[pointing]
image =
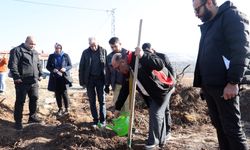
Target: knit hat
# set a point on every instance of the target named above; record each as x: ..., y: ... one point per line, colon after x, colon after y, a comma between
x: 146, y: 46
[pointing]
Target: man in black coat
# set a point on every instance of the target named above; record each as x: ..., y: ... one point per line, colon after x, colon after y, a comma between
x: 149, y: 85
x: 221, y: 64
x: 26, y: 70
x: 92, y: 72
x: 147, y: 48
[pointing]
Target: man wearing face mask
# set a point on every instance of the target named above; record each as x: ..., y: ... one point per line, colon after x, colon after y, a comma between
x: 26, y: 71
x: 221, y: 65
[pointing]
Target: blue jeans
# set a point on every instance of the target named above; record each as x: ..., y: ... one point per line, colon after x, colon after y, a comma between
x: 2, y: 81
x: 97, y: 85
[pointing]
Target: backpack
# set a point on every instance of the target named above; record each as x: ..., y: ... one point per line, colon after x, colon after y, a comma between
x: 164, y: 76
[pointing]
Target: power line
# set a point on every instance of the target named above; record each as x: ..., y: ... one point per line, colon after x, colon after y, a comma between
x: 112, y: 11
x: 59, y: 5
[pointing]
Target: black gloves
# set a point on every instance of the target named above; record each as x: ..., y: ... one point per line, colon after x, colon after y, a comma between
x: 106, y: 89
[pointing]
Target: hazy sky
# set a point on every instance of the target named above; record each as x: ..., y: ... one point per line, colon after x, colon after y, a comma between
x: 170, y: 26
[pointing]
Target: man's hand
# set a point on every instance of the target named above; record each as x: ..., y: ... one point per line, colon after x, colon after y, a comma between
x: 139, y: 52
x: 40, y: 78
x: 106, y: 89
x: 63, y: 70
x: 230, y: 91
x: 18, y: 81
x: 55, y: 70
x: 116, y: 113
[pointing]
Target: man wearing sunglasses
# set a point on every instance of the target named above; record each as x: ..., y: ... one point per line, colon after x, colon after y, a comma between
x: 221, y: 64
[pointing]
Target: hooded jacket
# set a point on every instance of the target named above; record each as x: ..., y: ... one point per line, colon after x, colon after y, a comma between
x: 226, y: 35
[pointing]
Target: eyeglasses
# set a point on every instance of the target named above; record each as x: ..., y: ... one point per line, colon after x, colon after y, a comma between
x: 197, y: 9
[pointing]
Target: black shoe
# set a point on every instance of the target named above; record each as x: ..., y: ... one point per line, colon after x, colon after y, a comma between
x: 18, y: 126
x: 60, y: 112
x: 66, y: 112
x: 34, y: 119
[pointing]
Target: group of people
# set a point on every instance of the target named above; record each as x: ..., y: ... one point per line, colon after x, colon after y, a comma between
x: 26, y: 71
x: 224, y: 38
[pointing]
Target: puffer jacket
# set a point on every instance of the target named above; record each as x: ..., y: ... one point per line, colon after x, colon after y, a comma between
x: 225, y: 35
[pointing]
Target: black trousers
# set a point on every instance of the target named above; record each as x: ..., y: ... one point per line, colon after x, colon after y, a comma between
x: 225, y: 116
x: 21, y: 91
x: 61, y: 93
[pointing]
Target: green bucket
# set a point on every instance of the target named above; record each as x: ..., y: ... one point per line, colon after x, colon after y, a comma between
x: 120, y: 125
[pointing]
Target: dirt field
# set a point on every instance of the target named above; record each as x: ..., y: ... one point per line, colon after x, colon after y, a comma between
x: 191, y: 129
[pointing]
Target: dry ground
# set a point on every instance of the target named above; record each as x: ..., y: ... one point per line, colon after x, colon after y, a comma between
x: 191, y: 129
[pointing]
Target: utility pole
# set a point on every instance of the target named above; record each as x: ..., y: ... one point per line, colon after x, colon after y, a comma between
x: 112, y: 12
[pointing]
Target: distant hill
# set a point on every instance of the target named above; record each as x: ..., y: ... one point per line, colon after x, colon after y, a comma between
x: 180, y: 61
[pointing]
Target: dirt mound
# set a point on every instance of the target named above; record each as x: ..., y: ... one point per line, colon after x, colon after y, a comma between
x: 73, y: 131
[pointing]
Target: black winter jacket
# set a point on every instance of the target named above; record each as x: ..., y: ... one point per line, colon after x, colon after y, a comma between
x: 153, y: 87
x: 85, y: 65
x: 51, y: 65
x: 24, y: 64
x: 225, y: 35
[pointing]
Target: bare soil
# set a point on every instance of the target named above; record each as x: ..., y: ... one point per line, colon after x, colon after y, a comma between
x: 191, y: 128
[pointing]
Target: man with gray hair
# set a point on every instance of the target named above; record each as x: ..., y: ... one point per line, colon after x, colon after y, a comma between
x: 92, y: 70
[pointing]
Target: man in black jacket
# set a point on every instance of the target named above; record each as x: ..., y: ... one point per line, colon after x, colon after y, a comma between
x: 147, y: 48
x: 115, y: 78
x: 149, y: 85
x: 92, y: 76
x: 221, y: 64
x: 26, y: 70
